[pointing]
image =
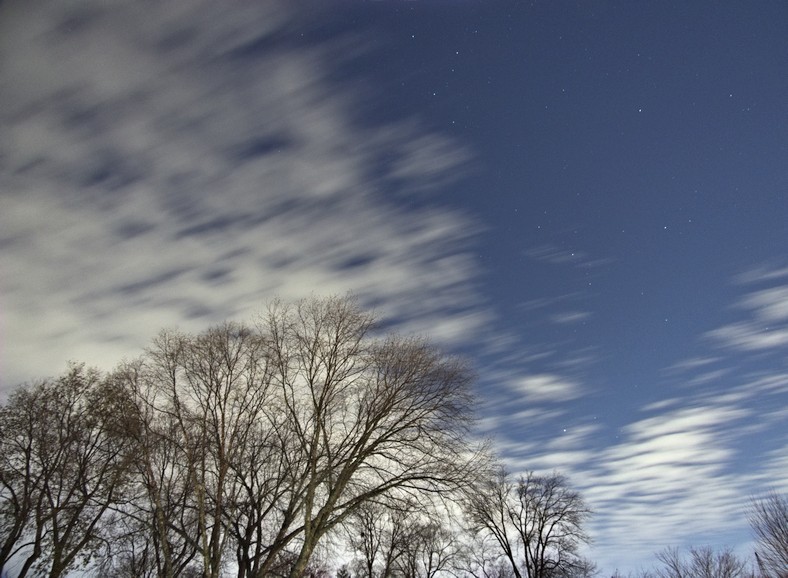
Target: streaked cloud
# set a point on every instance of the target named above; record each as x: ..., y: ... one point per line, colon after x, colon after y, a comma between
x: 765, y: 326
x: 690, y: 364
x: 567, y: 317
x: 762, y: 273
x: 559, y: 256
x: 770, y: 305
x: 750, y: 336
x: 681, y: 468
x: 175, y: 165
x: 546, y: 388
x: 672, y: 469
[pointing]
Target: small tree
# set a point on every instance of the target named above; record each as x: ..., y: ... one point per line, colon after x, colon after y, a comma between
x: 431, y: 549
x: 702, y: 562
x: 377, y: 533
x: 481, y: 557
x: 63, y: 465
x: 769, y: 521
x: 401, y: 538
x: 537, y: 521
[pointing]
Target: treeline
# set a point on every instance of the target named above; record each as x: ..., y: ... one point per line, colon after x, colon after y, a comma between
x: 301, y: 445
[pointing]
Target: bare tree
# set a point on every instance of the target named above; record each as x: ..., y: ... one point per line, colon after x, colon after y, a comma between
x: 266, y: 438
x: 377, y: 533
x: 702, y: 562
x: 537, y: 521
x: 431, y: 548
x: 769, y: 521
x: 200, y: 403
x: 63, y: 464
x: 481, y: 557
x: 404, y: 539
x: 368, y: 418
x: 152, y: 534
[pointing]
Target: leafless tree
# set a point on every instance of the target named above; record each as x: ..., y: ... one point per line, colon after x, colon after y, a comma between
x: 200, y: 403
x: 584, y: 568
x: 154, y: 526
x: 537, y: 521
x: 377, y: 534
x: 639, y: 574
x: 702, y: 562
x: 265, y: 439
x: 63, y: 464
x: 769, y: 521
x: 368, y: 418
x: 481, y: 557
x: 432, y: 548
x: 403, y: 539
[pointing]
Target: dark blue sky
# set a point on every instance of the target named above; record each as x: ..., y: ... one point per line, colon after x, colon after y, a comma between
x: 587, y: 198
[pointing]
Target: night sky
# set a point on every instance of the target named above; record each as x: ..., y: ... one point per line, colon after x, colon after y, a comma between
x: 588, y: 199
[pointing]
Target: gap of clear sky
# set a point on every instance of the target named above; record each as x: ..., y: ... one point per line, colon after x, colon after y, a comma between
x: 589, y: 199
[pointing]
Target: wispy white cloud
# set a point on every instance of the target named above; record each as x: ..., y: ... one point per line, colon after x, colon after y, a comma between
x: 568, y: 317
x: 688, y: 464
x: 558, y: 256
x: 680, y: 468
x: 762, y: 273
x: 176, y: 165
x: 773, y: 477
x: 765, y: 326
x: 691, y: 364
x: 750, y: 336
x: 546, y: 388
x: 770, y: 305
x: 668, y: 481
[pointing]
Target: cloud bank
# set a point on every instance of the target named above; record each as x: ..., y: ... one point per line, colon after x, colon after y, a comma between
x: 179, y: 163
x: 676, y: 466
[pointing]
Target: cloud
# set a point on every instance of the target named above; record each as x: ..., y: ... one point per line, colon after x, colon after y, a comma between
x: 765, y: 326
x: 554, y: 255
x: 776, y: 461
x: 546, y: 388
x: 762, y: 273
x: 558, y: 256
x: 177, y: 164
x: 680, y: 469
x: 691, y: 364
x: 770, y: 305
x: 674, y: 469
x: 671, y: 469
x: 568, y: 317
x: 666, y: 457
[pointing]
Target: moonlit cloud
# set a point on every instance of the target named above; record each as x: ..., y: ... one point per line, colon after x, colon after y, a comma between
x: 770, y: 305
x: 750, y: 336
x: 762, y: 273
x: 674, y: 458
x: 765, y: 326
x: 558, y: 256
x: 681, y: 468
x: 689, y: 364
x: 776, y: 461
x: 671, y: 469
x: 140, y: 191
x: 542, y: 388
x: 566, y: 317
